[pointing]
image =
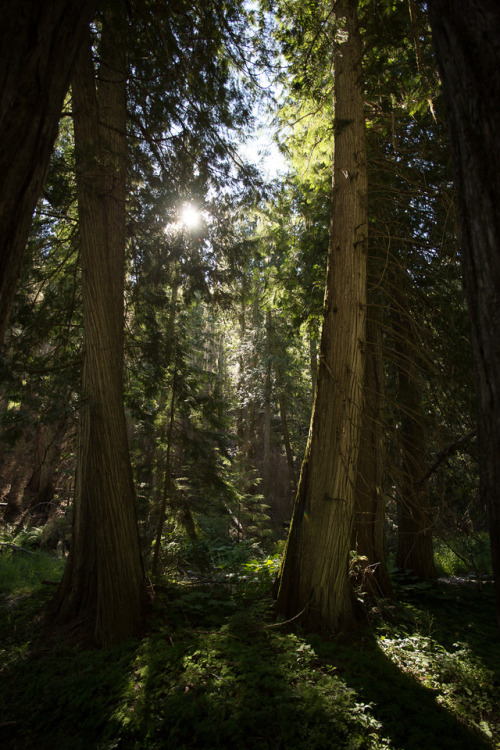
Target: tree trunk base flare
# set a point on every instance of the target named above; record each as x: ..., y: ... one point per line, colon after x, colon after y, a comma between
x: 81, y: 613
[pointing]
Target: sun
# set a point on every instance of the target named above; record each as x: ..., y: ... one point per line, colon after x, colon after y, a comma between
x: 190, y: 216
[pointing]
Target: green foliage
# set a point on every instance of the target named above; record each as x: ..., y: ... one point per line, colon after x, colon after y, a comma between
x: 460, y: 679
x: 22, y: 568
x: 445, y: 638
x: 216, y: 671
x: 463, y: 554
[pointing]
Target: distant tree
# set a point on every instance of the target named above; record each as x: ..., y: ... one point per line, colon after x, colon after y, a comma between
x: 415, y: 517
x: 38, y: 45
x: 368, y: 539
x: 467, y: 43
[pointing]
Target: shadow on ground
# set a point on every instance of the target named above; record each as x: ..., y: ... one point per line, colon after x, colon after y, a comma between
x: 215, y: 673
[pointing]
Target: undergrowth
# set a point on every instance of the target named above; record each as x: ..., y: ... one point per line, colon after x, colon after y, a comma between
x: 462, y: 555
x: 216, y: 670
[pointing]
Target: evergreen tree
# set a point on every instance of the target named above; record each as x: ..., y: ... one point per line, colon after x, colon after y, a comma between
x: 313, y: 581
x: 103, y: 591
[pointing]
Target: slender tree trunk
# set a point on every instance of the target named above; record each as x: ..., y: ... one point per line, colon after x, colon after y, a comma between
x: 467, y: 41
x: 313, y: 581
x: 415, y: 516
x: 368, y: 533
x: 242, y: 426
x: 38, y: 44
x: 167, y: 481
x: 313, y: 354
x: 266, y: 463
x: 41, y: 487
x: 103, y: 592
x: 284, y: 428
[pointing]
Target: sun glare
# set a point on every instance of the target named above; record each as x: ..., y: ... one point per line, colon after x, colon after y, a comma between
x: 190, y: 216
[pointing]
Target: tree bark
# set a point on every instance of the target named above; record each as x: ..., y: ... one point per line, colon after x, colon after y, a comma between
x: 103, y: 590
x: 415, y: 517
x: 38, y: 44
x: 266, y: 448
x: 285, y: 431
x: 168, y: 488
x: 41, y: 489
x: 369, y: 513
x: 313, y: 581
x: 467, y: 42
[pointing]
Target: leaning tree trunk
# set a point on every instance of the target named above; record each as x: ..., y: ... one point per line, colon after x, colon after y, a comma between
x: 467, y: 41
x: 313, y: 581
x: 103, y: 590
x: 38, y: 44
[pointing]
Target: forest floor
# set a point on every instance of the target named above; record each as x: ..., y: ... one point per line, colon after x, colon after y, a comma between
x: 217, y: 670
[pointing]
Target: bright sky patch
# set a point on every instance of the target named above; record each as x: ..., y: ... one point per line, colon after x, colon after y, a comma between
x: 190, y: 216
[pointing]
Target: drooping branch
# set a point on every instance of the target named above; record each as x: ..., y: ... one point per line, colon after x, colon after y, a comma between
x: 446, y: 452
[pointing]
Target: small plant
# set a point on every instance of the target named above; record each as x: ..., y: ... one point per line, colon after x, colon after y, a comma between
x: 216, y: 670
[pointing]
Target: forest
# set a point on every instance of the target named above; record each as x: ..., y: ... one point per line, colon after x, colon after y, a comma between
x: 250, y: 374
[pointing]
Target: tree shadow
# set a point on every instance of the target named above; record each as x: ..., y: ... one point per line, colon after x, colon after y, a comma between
x: 234, y: 685
x: 214, y: 673
x: 54, y: 695
x: 464, y: 612
x: 410, y: 715
x: 245, y: 684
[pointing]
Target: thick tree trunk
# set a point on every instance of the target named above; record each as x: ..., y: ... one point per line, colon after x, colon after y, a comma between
x: 103, y: 590
x: 38, y: 43
x: 313, y: 581
x: 467, y: 41
x: 369, y: 516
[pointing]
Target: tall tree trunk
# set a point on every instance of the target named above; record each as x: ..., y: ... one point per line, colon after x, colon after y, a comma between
x: 415, y: 517
x: 313, y: 355
x: 369, y: 517
x: 284, y: 428
x: 467, y: 42
x: 266, y: 462
x: 38, y: 44
x: 167, y: 481
x: 103, y: 590
x: 313, y: 581
x: 242, y: 416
